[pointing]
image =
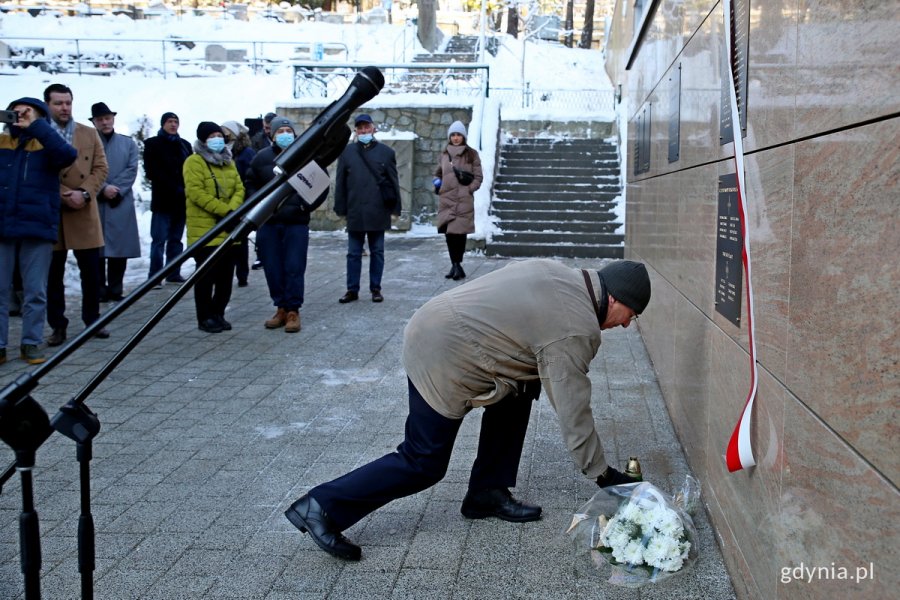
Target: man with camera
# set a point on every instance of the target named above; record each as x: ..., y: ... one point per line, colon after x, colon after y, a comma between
x: 31, y: 157
x: 121, y: 240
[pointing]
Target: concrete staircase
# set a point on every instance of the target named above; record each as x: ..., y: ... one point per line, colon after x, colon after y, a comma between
x: 555, y: 198
x: 459, y: 49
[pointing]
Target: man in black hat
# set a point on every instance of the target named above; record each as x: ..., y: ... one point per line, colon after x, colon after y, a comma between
x: 164, y: 157
x: 491, y: 343
x: 121, y: 240
x: 366, y: 193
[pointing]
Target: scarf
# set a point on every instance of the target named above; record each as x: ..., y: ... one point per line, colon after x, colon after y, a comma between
x: 67, y: 132
x: 219, y: 159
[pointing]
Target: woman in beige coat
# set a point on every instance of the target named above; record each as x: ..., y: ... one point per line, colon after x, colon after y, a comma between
x: 457, y: 177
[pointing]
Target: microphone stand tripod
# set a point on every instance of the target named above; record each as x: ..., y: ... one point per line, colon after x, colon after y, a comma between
x: 24, y: 424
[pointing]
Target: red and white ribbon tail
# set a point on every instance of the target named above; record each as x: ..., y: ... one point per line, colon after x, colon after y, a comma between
x: 739, y: 454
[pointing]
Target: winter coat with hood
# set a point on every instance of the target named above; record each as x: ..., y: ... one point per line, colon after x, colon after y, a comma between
x: 30, y: 162
x: 80, y: 229
x: 456, y: 204
x: 356, y: 193
x: 213, y: 189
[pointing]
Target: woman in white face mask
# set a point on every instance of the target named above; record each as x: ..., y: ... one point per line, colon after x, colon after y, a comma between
x: 213, y: 189
x: 282, y: 242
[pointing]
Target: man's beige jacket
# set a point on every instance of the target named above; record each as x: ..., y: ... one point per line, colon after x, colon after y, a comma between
x: 469, y: 346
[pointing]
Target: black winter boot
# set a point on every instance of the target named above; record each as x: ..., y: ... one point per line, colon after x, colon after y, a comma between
x: 459, y: 274
x: 451, y: 273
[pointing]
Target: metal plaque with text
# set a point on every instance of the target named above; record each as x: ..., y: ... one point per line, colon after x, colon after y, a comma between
x: 740, y: 37
x: 729, y: 243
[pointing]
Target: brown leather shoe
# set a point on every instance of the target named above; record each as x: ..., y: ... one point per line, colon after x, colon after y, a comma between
x: 277, y: 320
x: 293, y: 322
x: 377, y: 297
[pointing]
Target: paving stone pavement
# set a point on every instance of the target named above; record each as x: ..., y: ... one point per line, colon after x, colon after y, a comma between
x: 206, y: 439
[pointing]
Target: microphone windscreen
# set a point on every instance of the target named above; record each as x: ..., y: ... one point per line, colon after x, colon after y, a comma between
x: 369, y: 77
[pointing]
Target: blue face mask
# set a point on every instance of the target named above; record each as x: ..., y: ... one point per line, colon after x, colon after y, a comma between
x: 216, y: 144
x: 366, y: 138
x: 284, y: 140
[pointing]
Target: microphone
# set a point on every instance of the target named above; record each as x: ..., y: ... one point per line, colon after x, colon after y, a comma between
x: 365, y: 86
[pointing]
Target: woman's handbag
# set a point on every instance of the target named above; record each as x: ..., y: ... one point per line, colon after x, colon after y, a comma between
x: 463, y: 177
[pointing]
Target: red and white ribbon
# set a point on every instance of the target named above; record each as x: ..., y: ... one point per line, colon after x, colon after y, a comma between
x: 739, y: 454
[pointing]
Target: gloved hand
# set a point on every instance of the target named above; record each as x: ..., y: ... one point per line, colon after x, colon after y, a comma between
x: 437, y: 185
x: 614, y: 477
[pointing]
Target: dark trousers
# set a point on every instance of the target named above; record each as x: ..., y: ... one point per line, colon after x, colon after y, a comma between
x: 421, y: 460
x: 112, y: 274
x: 89, y: 267
x: 242, y: 266
x: 456, y: 246
x: 212, y: 292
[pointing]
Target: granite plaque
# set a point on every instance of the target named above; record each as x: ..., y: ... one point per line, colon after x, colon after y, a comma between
x: 740, y: 40
x: 729, y: 245
x: 675, y: 114
x: 642, y: 141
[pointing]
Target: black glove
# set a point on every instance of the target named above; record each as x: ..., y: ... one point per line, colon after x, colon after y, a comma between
x: 614, y: 477
x: 115, y: 200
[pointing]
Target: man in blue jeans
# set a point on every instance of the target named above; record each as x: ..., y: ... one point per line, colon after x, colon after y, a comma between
x: 31, y: 157
x: 365, y: 171
x: 164, y: 156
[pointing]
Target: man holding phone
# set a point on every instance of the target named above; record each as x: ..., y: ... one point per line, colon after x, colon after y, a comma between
x: 31, y: 157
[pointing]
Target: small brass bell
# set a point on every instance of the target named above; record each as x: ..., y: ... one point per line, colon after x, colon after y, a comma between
x: 634, y: 468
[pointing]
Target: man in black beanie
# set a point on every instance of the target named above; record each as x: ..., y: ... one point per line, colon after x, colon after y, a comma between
x: 491, y: 343
x: 164, y: 156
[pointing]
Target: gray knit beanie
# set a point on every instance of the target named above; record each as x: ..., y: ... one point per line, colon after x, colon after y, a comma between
x: 628, y: 282
x: 278, y: 122
x: 457, y: 127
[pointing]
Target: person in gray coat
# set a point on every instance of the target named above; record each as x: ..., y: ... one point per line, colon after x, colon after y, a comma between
x: 367, y: 193
x: 116, y: 204
x: 492, y: 343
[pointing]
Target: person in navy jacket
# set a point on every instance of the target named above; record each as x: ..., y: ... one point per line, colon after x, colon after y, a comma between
x: 31, y: 157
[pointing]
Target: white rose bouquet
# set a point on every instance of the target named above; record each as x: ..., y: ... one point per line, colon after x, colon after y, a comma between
x: 641, y: 534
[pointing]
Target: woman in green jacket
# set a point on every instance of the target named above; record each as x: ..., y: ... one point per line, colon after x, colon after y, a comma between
x: 213, y: 189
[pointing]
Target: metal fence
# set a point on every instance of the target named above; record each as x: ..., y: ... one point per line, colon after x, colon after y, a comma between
x: 574, y: 102
x: 323, y: 80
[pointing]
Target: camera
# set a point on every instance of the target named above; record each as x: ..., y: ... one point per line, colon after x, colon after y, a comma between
x: 8, y: 116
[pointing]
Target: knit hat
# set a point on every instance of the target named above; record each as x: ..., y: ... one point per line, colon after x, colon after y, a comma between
x: 206, y: 129
x: 234, y: 128
x: 166, y: 117
x: 628, y: 282
x: 279, y: 122
x: 33, y: 103
x: 457, y: 127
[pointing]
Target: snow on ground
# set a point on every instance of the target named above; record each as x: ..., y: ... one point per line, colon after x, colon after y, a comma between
x: 140, y: 94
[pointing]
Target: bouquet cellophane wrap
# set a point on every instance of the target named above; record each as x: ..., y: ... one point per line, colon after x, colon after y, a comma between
x: 638, y: 534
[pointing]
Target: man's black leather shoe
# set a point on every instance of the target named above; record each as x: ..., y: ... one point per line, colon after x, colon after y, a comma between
x: 57, y: 337
x: 498, y: 502
x: 307, y: 516
x: 103, y: 334
x: 210, y: 325
x: 349, y: 297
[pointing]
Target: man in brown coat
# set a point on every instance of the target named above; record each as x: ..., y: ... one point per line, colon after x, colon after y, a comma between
x: 491, y: 343
x: 80, y: 229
